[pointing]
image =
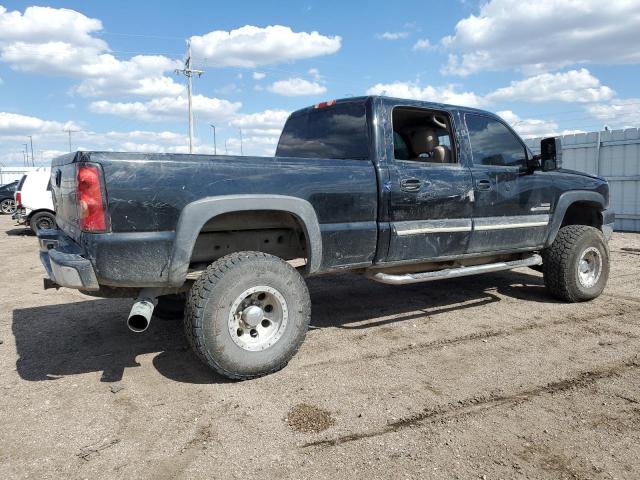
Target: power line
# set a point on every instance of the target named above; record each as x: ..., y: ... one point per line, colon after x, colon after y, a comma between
x: 215, y: 147
x: 188, y: 72
x: 33, y: 162
x: 140, y: 35
x: 70, y: 131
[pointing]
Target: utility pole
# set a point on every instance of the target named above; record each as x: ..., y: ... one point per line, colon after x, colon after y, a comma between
x: 33, y: 161
x: 240, y: 141
x: 26, y: 152
x: 215, y: 148
x: 69, y: 131
x: 188, y: 72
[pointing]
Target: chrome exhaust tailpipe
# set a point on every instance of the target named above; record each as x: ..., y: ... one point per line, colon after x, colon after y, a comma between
x: 141, y: 312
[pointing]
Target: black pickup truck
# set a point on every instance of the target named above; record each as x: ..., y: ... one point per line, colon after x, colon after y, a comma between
x: 400, y: 191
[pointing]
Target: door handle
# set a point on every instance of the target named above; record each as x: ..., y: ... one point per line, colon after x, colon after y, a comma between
x: 483, y: 185
x: 410, y: 184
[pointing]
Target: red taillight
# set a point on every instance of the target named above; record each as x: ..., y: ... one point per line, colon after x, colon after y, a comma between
x: 18, y: 199
x: 91, y: 206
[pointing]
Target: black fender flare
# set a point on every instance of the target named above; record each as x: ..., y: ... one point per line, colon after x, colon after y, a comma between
x: 195, y: 214
x: 564, y: 202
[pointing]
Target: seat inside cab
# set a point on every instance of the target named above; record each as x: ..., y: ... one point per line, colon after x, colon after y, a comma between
x: 422, y: 135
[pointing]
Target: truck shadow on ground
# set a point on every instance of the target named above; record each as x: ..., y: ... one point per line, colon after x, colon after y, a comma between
x: 20, y: 232
x: 91, y: 336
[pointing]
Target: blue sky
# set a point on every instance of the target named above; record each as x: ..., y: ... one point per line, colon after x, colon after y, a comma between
x: 105, y: 69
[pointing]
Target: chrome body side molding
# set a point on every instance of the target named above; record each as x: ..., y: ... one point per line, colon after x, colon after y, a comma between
x: 432, y: 226
x: 503, y: 223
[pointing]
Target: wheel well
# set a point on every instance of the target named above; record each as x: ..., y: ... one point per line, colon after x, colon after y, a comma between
x: 279, y: 233
x: 41, y: 210
x: 583, y: 213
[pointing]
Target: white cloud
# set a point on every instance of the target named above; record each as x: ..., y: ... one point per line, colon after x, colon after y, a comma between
x: 168, y: 108
x: 315, y: 74
x: 571, y: 86
x: 545, y: 34
x: 618, y: 113
x: 445, y: 94
x: 14, y: 124
x: 259, y: 75
x: 229, y: 89
x: 59, y: 42
x: 251, y: 46
x: 267, y: 123
x: 529, y: 127
x: 392, y: 35
x: 294, y: 87
x: 422, y: 44
x: 260, y: 146
x: 44, y: 24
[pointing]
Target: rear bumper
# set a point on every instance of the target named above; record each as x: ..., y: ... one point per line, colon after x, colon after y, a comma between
x: 608, y: 219
x: 63, y: 262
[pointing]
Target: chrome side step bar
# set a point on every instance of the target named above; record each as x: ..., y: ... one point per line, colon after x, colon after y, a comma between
x: 404, y: 278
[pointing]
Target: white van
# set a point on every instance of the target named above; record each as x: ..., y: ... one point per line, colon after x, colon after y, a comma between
x: 36, y: 202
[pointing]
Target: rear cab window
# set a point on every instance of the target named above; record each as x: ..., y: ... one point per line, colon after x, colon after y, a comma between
x: 335, y: 131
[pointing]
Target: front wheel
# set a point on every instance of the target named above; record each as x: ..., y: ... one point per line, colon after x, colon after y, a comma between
x: 8, y: 206
x: 247, y: 315
x: 576, y: 265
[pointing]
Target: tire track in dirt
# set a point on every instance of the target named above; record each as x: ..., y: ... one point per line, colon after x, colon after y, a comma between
x: 476, y: 404
x: 572, y: 319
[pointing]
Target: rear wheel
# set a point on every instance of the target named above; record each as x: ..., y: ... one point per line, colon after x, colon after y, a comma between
x: 8, y: 206
x: 42, y: 221
x: 576, y: 265
x: 247, y: 315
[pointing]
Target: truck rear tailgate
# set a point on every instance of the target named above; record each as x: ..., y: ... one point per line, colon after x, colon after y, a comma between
x: 63, y: 189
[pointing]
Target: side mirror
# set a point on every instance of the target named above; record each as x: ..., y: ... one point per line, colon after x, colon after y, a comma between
x: 551, y: 153
x: 531, y: 164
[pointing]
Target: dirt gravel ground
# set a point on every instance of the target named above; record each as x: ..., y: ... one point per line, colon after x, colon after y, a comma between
x: 485, y: 377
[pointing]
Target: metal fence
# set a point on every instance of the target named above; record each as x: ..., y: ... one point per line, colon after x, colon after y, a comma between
x: 614, y: 155
x: 9, y: 174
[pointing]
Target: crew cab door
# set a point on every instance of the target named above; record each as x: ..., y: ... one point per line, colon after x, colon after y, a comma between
x: 511, y: 207
x: 429, y: 203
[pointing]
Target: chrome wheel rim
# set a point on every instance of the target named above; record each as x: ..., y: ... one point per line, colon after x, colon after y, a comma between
x: 257, y: 318
x: 8, y: 206
x: 589, y: 267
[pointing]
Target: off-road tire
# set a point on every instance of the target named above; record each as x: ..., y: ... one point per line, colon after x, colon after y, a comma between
x: 170, y: 307
x: 561, y: 263
x: 209, y: 304
x: 42, y: 217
